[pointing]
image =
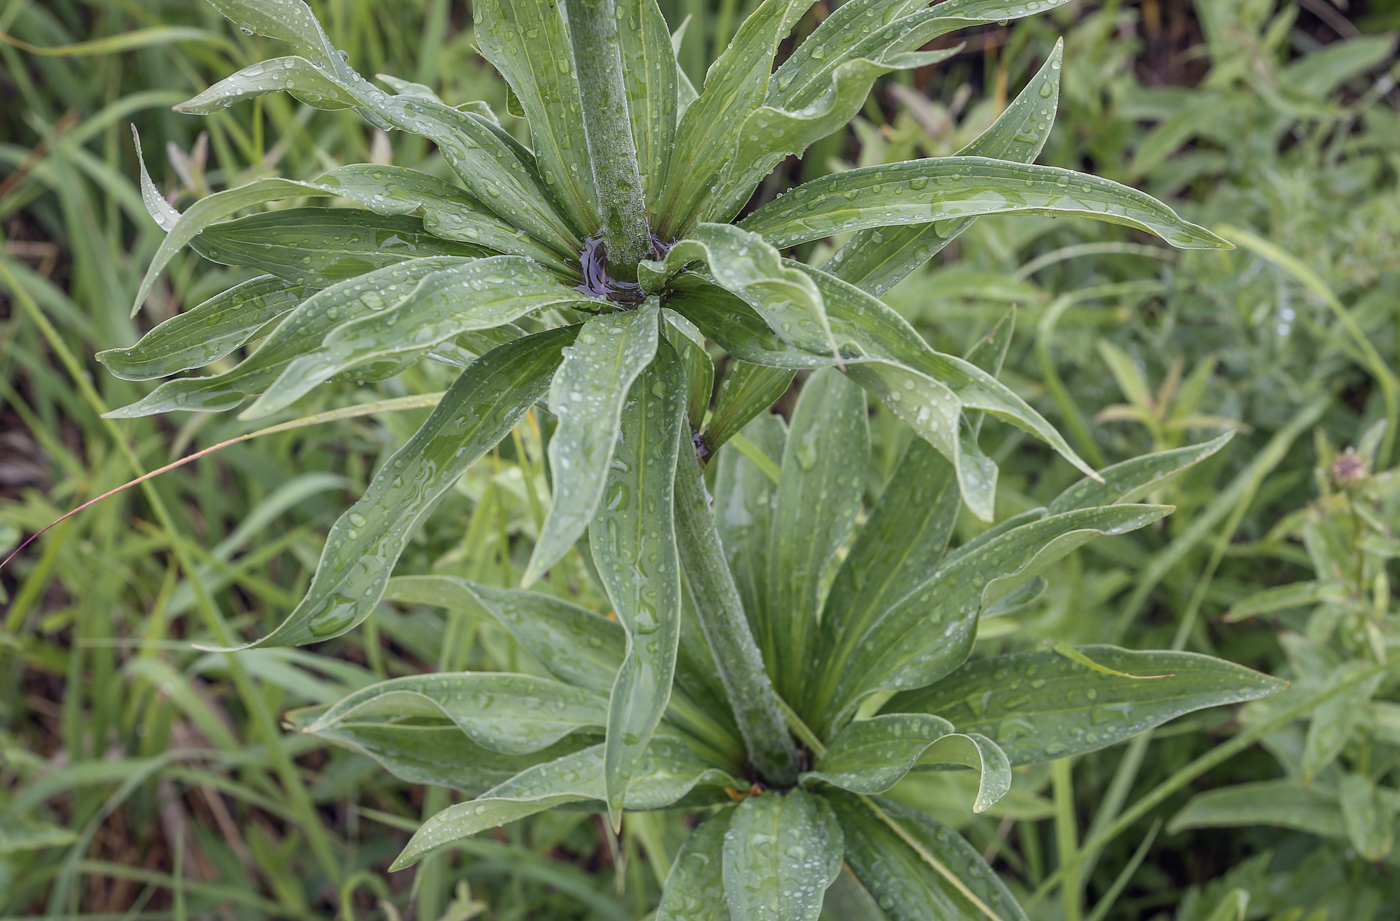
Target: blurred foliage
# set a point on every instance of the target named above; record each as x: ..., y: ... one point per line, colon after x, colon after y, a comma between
x: 142, y: 778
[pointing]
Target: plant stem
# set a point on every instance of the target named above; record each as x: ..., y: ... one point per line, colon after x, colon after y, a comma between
x: 608, y: 129
x: 751, y: 696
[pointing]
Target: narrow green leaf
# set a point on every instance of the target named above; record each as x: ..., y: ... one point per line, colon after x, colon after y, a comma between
x: 303, y: 329
x: 819, y: 493
x: 286, y: 20
x: 651, y: 77
x: 736, y: 326
x: 528, y: 43
x: 1040, y: 705
x: 1133, y: 479
x: 917, y: 868
x: 291, y: 74
x: 511, y: 714
x: 953, y: 188
x: 1333, y: 722
x: 318, y: 247
x: 744, y: 499
x: 781, y: 852
x: 207, y: 332
x: 480, y: 409
x: 588, y: 395
x: 689, y: 344
x: 667, y: 773
x: 871, y: 756
x: 707, y: 135
x: 748, y: 391
x: 695, y: 887
x: 19, y: 834
x: 875, y: 260
x: 1368, y: 815
x: 634, y: 547
x: 1280, y: 803
x: 160, y: 210
x: 930, y: 631
x: 576, y: 645
x: 476, y: 295
x: 747, y: 266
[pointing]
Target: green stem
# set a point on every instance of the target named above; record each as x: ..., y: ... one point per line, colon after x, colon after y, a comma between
x: 756, y: 707
x: 608, y: 130
x: 1066, y: 840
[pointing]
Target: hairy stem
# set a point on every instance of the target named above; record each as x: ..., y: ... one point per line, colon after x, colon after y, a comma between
x: 608, y: 129
x: 756, y: 707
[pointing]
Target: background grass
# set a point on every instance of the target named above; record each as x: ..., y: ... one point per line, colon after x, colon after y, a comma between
x: 142, y: 778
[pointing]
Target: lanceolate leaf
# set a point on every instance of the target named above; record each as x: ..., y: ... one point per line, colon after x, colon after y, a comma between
x: 576, y: 645
x: 1280, y: 803
x: 929, y: 632
x: 917, y: 868
x: 477, y: 295
x: 207, y: 332
x: 667, y: 773
x: 819, y: 493
x: 321, y: 246
x: 952, y: 188
x: 301, y: 330
x: 1369, y: 816
x: 528, y: 43
x: 744, y: 498
x: 781, y: 852
x: 1133, y: 479
x: 875, y: 260
x: 480, y: 409
x: 292, y: 74
x: 634, y: 547
x: 748, y: 391
x: 735, y: 85
x: 695, y: 888
x: 512, y: 714
x: 689, y: 344
x: 588, y: 395
x: 287, y: 20
x: 651, y: 78
x: 1039, y: 706
x: 871, y: 756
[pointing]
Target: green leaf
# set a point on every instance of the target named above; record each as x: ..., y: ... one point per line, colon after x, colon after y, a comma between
x: 1335, y: 720
x: 917, y: 868
x: 736, y: 326
x: 667, y: 773
x: 954, y: 188
x: 903, y: 540
x: 1369, y: 816
x: 292, y: 74
x: 320, y: 246
x: 573, y: 643
x: 781, y: 852
x: 302, y: 330
x: 207, y: 332
x: 19, y: 834
x: 1133, y: 479
x: 930, y: 631
x: 871, y: 756
x: 480, y: 409
x: 748, y: 391
x: 651, y: 78
x: 446, y: 210
x: 695, y: 887
x: 735, y: 85
x: 528, y: 42
x: 744, y: 499
x: 634, y: 548
x: 481, y: 294
x: 1280, y: 803
x: 1041, y: 705
x: 286, y: 20
x: 745, y: 265
x: 588, y: 395
x: 819, y: 493
x: 875, y: 260
x: 689, y: 344
x: 512, y: 714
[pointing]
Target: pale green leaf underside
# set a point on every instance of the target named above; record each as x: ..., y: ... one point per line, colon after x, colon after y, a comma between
x: 587, y: 395
x: 291, y: 74
x: 480, y: 409
x: 781, y: 852
x: 1040, y: 706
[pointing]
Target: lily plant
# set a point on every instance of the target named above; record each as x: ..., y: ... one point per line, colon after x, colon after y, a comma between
x: 598, y: 271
